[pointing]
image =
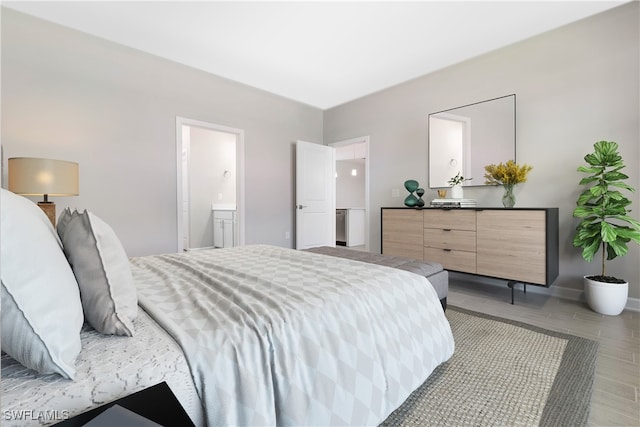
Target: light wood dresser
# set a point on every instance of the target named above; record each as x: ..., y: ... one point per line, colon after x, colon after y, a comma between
x: 519, y: 245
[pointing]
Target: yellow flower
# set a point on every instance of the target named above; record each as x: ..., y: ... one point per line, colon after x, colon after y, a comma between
x: 506, y: 174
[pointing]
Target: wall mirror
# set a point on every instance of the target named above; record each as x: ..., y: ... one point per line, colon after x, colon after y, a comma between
x: 466, y: 139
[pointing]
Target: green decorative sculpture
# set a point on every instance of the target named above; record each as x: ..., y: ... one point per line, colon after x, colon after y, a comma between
x: 420, y: 193
x: 411, y: 200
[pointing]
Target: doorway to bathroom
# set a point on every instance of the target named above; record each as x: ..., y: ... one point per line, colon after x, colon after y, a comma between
x: 210, y: 185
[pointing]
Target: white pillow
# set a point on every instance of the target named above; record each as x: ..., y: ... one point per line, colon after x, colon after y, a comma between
x: 103, y: 272
x: 41, y: 310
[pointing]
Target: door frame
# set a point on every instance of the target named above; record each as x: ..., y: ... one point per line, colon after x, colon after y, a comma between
x: 239, y: 133
x: 367, y: 174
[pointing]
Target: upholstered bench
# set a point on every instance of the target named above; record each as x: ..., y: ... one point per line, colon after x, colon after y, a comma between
x: 433, y: 271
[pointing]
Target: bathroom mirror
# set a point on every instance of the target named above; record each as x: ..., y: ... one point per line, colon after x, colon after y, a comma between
x: 466, y: 139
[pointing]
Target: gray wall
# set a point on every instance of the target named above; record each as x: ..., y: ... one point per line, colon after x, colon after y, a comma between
x: 71, y: 96
x: 575, y: 85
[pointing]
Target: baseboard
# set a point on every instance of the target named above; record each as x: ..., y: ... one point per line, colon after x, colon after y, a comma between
x: 633, y: 304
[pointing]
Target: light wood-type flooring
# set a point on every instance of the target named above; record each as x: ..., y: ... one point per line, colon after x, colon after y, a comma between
x: 616, y: 394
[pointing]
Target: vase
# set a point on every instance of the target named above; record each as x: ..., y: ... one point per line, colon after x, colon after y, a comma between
x: 508, y: 199
x: 606, y: 298
x: 457, y: 192
x: 411, y: 200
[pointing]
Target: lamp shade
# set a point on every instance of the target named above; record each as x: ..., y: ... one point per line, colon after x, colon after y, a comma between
x: 31, y: 176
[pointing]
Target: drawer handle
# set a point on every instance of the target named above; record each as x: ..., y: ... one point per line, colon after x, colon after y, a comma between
x: 447, y: 250
x: 446, y: 229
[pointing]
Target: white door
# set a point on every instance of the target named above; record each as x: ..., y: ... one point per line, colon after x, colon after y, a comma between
x: 315, y: 195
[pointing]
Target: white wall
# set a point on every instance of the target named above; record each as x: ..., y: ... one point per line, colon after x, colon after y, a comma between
x: 112, y: 109
x: 350, y: 190
x: 575, y: 85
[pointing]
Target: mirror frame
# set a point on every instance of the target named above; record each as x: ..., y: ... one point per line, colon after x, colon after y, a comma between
x: 477, y: 181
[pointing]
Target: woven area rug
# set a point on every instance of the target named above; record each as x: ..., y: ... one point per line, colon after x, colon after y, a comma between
x: 504, y: 373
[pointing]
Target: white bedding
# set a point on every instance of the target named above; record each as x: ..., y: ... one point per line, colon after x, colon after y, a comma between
x: 109, y: 367
x: 270, y: 336
x: 281, y: 337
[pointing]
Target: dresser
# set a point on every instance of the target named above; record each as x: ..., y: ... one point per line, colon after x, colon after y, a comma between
x: 519, y: 245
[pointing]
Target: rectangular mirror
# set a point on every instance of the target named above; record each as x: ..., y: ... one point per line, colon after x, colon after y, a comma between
x: 466, y: 139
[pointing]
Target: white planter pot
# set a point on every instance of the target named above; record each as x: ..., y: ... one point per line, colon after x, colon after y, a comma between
x: 606, y: 298
x: 457, y: 192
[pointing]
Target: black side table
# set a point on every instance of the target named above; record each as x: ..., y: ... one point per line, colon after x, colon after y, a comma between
x: 157, y: 403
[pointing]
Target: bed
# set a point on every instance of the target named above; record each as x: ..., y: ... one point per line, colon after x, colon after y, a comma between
x: 437, y: 276
x: 254, y: 335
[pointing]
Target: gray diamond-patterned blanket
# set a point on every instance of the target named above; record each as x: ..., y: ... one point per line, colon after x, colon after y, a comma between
x: 275, y: 336
x: 504, y: 373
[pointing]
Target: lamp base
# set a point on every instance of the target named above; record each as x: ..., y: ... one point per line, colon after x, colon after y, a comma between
x: 49, y: 209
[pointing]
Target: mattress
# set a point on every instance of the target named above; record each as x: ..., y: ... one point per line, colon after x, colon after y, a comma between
x: 109, y: 367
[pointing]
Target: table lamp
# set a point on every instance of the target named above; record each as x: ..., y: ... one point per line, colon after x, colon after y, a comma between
x: 29, y: 176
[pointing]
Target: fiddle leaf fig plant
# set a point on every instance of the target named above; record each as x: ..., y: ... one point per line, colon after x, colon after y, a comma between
x: 603, y: 209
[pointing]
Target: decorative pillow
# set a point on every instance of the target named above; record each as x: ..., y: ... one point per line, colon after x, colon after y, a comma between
x: 41, y: 310
x: 102, y: 269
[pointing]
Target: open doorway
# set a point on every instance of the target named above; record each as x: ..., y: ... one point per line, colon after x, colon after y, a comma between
x: 352, y: 193
x: 210, y: 185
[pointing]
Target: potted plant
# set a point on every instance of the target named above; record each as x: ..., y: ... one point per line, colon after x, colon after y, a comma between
x: 456, y: 186
x: 605, y: 225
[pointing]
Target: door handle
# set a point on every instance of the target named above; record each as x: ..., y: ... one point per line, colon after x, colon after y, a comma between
x: 301, y: 206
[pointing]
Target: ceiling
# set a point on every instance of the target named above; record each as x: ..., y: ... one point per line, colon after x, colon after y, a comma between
x: 319, y: 53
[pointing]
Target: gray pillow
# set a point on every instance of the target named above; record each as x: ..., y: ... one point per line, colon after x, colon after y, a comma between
x: 103, y: 272
x: 41, y: 311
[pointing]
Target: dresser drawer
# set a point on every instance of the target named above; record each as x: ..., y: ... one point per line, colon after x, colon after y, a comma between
x: 463, y: 240
x: 453, y: 219
x: 501, y: 255
x: 452, y: 259
x: 402, y: 233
